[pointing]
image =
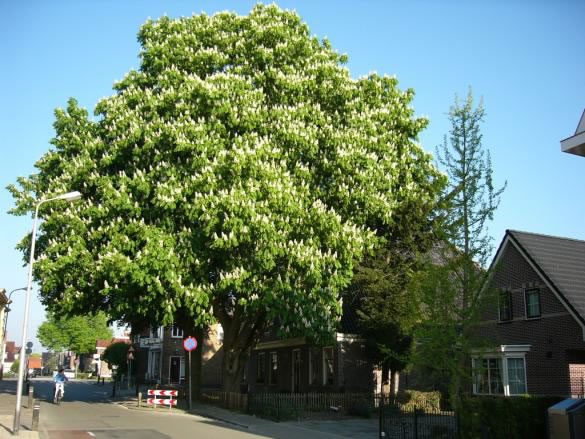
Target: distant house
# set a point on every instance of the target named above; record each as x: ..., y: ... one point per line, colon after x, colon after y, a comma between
x: 576, y: 143
x: 12, y: 352
x: 538, y: 326
x: 34, y: 366
x: 99, y: 367
x: 160, y: 356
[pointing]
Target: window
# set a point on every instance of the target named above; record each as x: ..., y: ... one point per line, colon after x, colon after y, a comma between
x: 532, y: 300
x: 260, y: 369
x: 273, y: 377
x: 327, y: 366
x: 516, y: 376
x: 176, y: 332
x: 314, y: 355
x: 155, y: 332
x: 505, y: 306
x: 488, y: 376
x: 499, y: 376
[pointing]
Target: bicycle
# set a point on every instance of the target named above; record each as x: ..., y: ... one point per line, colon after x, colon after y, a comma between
x: 58, y: 394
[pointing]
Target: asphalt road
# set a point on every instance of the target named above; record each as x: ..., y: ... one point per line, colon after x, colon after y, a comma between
x: 86, y: 412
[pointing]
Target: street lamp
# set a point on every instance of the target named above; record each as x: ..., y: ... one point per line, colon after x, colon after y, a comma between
x: 69, y: 196
x: 6, y: 311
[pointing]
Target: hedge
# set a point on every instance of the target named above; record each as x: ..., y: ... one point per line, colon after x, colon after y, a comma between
x: 515, y: 417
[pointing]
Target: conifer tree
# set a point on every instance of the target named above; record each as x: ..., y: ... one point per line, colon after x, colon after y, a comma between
x: 452, y: 288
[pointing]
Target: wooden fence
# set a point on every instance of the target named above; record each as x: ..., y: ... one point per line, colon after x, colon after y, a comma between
x: 280, y: 406
x: 226, y: 400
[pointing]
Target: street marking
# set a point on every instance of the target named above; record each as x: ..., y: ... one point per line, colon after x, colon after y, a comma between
x: 91, y: 434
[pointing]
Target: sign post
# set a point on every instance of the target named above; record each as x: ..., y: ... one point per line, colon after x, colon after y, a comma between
x: 190, y: 343
x: 130, y: 357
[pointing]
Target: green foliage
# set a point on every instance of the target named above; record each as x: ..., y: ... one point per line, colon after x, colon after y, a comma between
x: 451, y: 288
x: 413, y: 399
x: 516, y: 417
x: 15, y: 366
x: 116, y: 354
x: 77, y: 334
x: 237, y: 176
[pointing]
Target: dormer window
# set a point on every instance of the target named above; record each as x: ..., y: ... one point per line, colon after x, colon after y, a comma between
x: 505, y: 306
x: 176, y: 332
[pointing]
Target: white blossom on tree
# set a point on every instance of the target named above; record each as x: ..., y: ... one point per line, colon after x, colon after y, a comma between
x: 237, y: 176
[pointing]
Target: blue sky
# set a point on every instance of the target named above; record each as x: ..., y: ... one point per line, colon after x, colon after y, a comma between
x: 524, y: 57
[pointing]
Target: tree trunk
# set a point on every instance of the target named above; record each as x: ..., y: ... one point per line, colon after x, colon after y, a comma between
x: 241, y: 332
x: 232, y: 365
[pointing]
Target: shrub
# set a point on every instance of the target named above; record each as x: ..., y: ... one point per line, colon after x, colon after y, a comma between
x: 414, y: 399
x: 515, y: 417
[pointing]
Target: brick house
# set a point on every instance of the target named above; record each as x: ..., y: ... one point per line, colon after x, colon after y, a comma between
x: 98, y: 366
x: 160, y: 356
x: 576, y: 143
x: 538, y: 325
x: 296, y: 366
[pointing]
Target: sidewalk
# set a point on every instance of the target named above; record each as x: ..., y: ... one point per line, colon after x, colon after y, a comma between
x: 128, y: 399
x: 7, y: 406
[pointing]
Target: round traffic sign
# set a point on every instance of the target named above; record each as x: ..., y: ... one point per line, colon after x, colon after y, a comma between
x: 190, y: 343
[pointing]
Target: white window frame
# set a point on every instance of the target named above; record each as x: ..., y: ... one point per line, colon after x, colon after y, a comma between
x: 325, y: 383
x: 155, y: 331
x: 176, y: 332
x: 504, y: 353
x: 537, y: 291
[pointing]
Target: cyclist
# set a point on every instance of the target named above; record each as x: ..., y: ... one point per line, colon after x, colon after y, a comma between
x: 60, y: 379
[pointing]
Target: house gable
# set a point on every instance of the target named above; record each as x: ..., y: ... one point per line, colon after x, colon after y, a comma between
x: 560, y: 262
x: 529, y: 247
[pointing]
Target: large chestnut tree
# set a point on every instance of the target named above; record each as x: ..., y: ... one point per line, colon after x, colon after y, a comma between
x: 237, y: 176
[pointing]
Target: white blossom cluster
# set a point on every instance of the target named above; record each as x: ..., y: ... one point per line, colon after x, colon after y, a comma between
x: 242, y: 161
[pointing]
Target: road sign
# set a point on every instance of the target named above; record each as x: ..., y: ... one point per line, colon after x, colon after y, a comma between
x: 131, y: 348
x: 163, y: 392
x: 190, y: 343
x: 157, y: 401
x: 130, y: 356
x: 29, y: 344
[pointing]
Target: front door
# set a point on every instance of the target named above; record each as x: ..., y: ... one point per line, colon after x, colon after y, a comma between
x: 296, y: 370
x: 175, y: 371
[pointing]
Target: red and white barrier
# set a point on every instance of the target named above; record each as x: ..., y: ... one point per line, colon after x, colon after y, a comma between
x: 163, y: 392
x: 157, y: 401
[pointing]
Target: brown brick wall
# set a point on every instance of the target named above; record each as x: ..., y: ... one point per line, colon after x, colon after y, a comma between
x: 352, y: 372
x: 552, y: 337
